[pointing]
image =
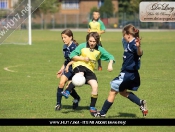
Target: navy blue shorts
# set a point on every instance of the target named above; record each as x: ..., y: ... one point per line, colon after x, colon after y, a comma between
x: 69, y: 74
x: 126, y: 80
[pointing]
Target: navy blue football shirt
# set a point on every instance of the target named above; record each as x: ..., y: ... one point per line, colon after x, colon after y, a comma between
x: 67, y: 50
x: 131, y: 61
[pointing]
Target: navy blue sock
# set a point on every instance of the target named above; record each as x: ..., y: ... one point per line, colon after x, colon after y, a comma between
x: 105, y: 107
x: 134, y: 98
x: 59, y: 95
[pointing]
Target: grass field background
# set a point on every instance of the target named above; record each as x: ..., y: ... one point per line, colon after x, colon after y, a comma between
x: 28, y: 89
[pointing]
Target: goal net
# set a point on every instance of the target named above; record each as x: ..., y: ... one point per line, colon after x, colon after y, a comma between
x: 15, y: 22
x: 19, y: 35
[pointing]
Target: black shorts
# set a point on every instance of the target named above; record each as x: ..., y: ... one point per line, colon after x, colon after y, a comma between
x: 88, y: 74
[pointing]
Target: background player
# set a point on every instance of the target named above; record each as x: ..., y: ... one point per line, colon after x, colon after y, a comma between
x: 96, y: 25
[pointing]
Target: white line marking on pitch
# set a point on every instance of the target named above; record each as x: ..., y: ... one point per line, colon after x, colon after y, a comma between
x: 7, y: 68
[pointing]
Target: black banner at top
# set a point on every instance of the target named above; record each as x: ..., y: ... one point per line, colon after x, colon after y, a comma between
x: 87, y: 122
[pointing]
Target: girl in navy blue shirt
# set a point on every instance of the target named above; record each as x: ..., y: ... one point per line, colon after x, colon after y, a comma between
x: 128, y: 78
x: 66, y: 75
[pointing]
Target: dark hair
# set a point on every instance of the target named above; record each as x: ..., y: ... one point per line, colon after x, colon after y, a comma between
x: 130, y: 29
x: 69, y: 33
x: 95, y: 35
x: 96, y: 11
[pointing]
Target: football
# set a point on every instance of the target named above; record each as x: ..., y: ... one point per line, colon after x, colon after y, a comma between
x: 78, y: 80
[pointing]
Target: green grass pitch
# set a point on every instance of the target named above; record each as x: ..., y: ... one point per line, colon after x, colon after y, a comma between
x: 28, y: 82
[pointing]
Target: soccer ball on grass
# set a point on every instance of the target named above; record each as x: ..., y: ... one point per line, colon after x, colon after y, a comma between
x: 78, y: 80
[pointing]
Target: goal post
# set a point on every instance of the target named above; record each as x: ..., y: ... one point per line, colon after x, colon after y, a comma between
x: 16, y: 24
x: 30, y: 24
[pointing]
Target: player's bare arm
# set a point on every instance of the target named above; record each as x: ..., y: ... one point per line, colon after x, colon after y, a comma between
x: 138, y: 45
x: 110, y: 68
x: 59, y: 73
x: 101, y: 32
x: 80, y: 58
x: 68, y: 65
x: 89, y: 30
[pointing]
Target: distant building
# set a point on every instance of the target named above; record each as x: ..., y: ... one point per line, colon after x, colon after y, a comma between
x: 70, y: 11
x: 7, y: 4
x: 76, y: 12
x: 82, y: 6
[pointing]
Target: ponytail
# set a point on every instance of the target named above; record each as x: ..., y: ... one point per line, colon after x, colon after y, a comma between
x: 75, y: 42
x: 130, y: 29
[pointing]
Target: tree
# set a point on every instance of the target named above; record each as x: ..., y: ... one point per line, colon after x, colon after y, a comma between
x: 48, y: 6
x: 107, y: 9
x: 125, y: 6
x: 3, y: 13
x: 135, y: 5
x: 93, y: 9
x: 131, y: 6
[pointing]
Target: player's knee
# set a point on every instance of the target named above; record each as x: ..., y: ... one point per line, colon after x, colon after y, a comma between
x: 94, y: 92
x: 61, y: 84
x: 121, y: 93
x: 112, y: 92
x: 124, y: 94
x: 94, y: 89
